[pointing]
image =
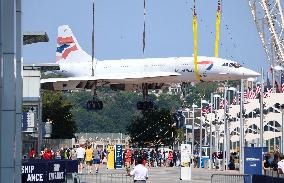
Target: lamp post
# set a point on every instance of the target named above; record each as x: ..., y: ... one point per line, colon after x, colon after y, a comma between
x: 200, y: 140
x: 215, y: 97
x: 282, y: 137
x: 281, y: 68
x: 210, y: 139
x: 213, y: 104
x: 185, y: 123
x: 241, y: 156
x: 193, y: 127
x: 226, y: 141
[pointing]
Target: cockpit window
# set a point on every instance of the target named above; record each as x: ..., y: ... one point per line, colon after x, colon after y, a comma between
x: 237, y: 65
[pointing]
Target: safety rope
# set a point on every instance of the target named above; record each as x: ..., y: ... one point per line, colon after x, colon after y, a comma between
x: 195, y: 42
x: 218, y: 20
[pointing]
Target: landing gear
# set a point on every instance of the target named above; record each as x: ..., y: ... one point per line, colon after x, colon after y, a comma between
x: 95, y: 103
x: 145, y: 105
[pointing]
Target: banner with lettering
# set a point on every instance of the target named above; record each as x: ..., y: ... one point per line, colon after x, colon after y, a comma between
x: 110, y: 157
x: 56, y: 171
x: 118, y: 156
x: 253, y: 160
x: 185, y: 168
x: 33, y: 172
x: 53, y: 171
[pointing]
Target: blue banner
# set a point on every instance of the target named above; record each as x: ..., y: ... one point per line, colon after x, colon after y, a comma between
x: 56, y: 171
x: 33, y: 172
x: 118, y: 156
x: 253, y: 160
x: 24, y: 121
x: 53, y: 171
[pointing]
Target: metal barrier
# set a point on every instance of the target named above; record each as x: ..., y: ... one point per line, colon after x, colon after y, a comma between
x: 104, y: 178
x: 272, y: 173
x: 231, y: 178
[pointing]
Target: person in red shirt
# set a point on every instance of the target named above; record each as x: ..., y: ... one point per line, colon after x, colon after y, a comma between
x: 170, y: 158
x: 128, y: 157
x: 32, y: 153
x: 47, y: 155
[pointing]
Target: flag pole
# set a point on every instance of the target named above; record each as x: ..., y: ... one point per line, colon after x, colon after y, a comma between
x: 261, y: 110
x: 242, y: 129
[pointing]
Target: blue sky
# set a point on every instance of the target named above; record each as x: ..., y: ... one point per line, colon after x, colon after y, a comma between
x: 119, y: 27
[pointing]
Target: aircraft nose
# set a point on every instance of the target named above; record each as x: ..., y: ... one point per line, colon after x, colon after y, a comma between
x: 250, y: 73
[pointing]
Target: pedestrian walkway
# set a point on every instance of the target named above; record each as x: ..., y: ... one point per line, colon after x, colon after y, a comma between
x: 170, y: 174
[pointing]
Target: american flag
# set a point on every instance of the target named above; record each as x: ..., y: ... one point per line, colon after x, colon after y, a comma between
x: 251, y: 94
x: 258, y: 89
x: 268, y: 87
x: 245, y: 95
x: 268, y: 91
x: 235, y: 100
x: 282, y: 83
x: 221, y: 105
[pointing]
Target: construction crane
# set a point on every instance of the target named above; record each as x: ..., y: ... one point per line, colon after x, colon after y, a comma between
x: 269, y: 20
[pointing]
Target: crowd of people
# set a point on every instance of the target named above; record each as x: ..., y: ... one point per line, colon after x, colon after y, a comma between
x: 86, y: 155
x: 273, y: 162
x: 134, y: 159
x: 152, y: 157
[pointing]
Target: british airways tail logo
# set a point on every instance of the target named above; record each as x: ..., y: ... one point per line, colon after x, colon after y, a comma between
x: 210, y: 63
x: 65, y: 47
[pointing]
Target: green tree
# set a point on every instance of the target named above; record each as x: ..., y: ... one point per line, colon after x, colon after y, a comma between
x: 57, y: 109
x: 200, y: 91
x: 153, y: 127
x: 118, y: 111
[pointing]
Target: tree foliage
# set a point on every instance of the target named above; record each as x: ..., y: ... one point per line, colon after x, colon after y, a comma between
x: 153, y: 127
x: 57, y: 109
x: 118, y: 111
x: 200, y: 91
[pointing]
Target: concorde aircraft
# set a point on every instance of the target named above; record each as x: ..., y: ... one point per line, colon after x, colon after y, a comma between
x: 80, y: 72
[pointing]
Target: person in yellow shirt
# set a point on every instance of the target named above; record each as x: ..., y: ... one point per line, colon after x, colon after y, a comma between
x: 89, y: 159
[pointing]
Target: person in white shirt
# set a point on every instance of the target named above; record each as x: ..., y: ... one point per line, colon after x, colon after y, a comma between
x: 80, y: 153
x: 281, y: 164
x: 140, y: 172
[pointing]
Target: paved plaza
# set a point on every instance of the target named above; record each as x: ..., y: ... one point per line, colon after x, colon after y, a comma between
x: 160, y: 175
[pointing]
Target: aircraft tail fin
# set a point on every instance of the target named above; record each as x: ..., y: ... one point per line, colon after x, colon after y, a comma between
x: 68, y: 48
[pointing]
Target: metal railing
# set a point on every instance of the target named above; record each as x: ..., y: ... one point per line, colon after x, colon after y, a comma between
x: 273, y: 173
x: 104, y: 178
x: 231, y: 178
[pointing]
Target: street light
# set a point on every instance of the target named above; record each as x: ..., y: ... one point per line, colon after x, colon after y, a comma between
x: 226, y: 142
x: 200, y: 140
x: 193, y: 127
x: 213, y: 104
x: 185, y: 123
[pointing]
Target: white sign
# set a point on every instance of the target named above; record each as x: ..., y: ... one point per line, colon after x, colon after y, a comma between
x: 31, y: 119
x: 185, y: 169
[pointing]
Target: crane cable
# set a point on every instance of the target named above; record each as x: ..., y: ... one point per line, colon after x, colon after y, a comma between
x: 195, y: 43
x: 144, y: 28
x: 218, y: 17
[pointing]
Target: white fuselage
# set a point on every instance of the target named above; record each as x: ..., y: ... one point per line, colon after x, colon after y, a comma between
x: 209, y: 69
